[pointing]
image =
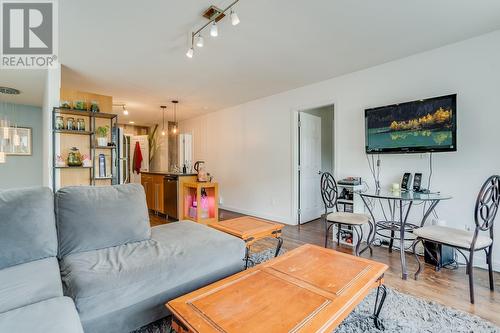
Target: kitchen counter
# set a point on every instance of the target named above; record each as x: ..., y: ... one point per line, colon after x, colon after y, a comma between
x: 163, y: 191
x: 168, y: 173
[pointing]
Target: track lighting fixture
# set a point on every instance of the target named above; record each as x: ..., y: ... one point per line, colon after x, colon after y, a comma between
x: 214, y: 15
x: 199, y: 41
x: 124, y: 108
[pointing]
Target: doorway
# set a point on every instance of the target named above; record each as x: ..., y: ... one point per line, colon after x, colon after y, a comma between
x: 315, y: 151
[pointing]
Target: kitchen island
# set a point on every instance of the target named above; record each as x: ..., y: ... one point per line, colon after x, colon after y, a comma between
x: 164, y: 191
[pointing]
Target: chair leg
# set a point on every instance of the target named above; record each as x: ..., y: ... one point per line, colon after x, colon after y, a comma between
x: 391, y: 241
x: 471, y: 276
x: 328, y: 227
x: 368, y: 240
x: 438, y: 261
x: 414, y: 245
x: 339, y: 226
x: 490, y: 267
x: 360, y: 238
x: 326, y: 234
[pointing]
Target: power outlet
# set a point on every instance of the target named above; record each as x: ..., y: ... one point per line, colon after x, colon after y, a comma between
x: 467, y: 227
x: 221, y: 201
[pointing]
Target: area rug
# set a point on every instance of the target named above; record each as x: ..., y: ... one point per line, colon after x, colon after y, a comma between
x: 401, y: 313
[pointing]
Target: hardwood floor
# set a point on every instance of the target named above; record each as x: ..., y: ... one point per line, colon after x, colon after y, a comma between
x: 448, y: 287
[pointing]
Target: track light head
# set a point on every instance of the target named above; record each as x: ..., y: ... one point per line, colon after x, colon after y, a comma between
x: 199, y: 41
x: 125, y: 111
x: 190, y: 53
x: 235, y: 20
x: 214, y: 31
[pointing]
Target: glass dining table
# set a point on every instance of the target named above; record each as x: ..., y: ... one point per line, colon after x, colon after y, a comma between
x: 399, y: 204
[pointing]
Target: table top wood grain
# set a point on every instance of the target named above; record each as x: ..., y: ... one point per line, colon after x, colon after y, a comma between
x: 309, y: 289
x: 248, y: 228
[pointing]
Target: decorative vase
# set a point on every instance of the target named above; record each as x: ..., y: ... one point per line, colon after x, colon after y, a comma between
x: 70, y: 123
x: 94, y: 106
x: 59, y: 123
x: 102, y: 141
x: 74, y: 157
x: 80, y: 124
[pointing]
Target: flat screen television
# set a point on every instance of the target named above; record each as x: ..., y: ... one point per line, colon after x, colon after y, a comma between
x: 428, y: 125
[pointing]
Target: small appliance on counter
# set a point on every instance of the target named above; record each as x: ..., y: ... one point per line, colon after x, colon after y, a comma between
x: 351, y: 181
x: 199, y: 167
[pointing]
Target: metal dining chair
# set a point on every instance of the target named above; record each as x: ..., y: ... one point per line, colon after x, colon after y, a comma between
x: 330, y: 193
x: 486, y: 209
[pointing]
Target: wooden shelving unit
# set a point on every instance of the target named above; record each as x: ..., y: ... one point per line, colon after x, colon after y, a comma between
x: 206, y: 209
x: 350, y: 202
x: 91, y: 147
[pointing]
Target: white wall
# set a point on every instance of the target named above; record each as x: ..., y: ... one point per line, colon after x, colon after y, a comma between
x: 50, y: 100
x: 249, y: 147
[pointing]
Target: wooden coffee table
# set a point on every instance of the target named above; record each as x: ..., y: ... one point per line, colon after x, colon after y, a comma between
x: 251, y: 229
x: 309, y: 289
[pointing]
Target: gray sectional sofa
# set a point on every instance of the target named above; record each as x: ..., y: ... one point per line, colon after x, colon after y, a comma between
x: 118, y: 271
x: 31, y: 293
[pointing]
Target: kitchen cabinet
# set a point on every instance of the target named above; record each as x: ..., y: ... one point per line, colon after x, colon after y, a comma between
x: 147, y: 183
x: 158, y: 192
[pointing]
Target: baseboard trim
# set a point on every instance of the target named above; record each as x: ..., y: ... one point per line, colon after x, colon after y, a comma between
x: 280, y: 219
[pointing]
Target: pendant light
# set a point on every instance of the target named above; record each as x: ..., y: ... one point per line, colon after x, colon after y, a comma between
x: 163, y: 107
x: 174, y: 130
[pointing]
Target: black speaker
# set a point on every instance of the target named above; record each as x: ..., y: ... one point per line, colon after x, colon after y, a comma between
x: 406, y: 181
x: 445, y: 254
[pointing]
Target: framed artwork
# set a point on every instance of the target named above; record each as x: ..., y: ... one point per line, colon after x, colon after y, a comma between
x: 21, y: 141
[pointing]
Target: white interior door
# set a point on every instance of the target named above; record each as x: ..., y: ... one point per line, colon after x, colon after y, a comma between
x: 310, y: 201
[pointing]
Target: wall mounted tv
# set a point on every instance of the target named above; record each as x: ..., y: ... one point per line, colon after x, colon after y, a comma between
x: 428, y: 125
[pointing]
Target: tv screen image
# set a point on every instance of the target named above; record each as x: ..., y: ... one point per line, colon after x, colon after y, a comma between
x: 419, y: 126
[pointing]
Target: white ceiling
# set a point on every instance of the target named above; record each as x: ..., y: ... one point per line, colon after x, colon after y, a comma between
x: 31, y: 83
x: 135, y: 51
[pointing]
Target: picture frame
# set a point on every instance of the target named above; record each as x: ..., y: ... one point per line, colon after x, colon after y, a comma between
x: 25, y: 146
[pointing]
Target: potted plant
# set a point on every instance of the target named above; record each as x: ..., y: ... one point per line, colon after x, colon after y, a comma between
x: 102, y: 135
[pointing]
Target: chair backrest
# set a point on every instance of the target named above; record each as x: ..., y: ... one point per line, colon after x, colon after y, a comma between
x: 329, y: 191
x: 487, y: 204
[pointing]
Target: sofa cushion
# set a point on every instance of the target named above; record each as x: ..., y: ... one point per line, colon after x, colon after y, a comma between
x: 56, y: 315
x: 92, y: 218
x: 178, y: 254
x: 29, y: 283
x: 27, y: 225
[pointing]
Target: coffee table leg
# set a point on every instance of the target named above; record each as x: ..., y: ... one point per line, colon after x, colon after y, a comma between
x: 382, y: 293
x: 247, y: 256
x: 278, y: 248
